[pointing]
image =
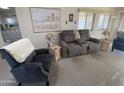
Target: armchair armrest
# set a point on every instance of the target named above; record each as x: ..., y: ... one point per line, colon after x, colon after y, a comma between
x: 80, y: 42
x: 42, y: 51
x: 29, y: 73
x: 63, y: 44
x: 95, y: 40
x: 40, y: 65
x: 64, y: 48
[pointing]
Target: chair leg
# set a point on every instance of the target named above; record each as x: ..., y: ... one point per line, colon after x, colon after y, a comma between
x: 47, y: 83
x: 19, y: 84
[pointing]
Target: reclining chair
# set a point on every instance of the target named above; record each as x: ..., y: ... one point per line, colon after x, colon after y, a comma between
x: 29, y: 65
x: 92, y: 44
x: 118, y: 42
x: 69, y: 44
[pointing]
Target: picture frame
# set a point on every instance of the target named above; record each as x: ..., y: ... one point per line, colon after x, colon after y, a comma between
x: 71, y: 17
x: 45, y: 19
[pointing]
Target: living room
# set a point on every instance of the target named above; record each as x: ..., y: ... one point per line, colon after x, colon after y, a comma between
x: 65, y: 24
x: 89, y: 62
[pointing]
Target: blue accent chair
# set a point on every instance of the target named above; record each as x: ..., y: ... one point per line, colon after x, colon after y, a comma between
x: 118, y: 42
x: 35, y: 69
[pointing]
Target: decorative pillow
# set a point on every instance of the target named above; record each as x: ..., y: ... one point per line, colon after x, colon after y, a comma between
x: 20, y: 49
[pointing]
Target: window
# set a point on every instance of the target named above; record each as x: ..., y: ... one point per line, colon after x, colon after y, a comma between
x: 103, y: 21
x: 85, y: 20
x: 121, y: 27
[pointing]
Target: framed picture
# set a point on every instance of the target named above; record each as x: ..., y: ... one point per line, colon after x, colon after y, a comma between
x: 45, y: 19
x: 71, y: 17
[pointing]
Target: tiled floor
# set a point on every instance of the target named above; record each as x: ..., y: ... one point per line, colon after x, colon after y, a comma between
x: 103, y: 68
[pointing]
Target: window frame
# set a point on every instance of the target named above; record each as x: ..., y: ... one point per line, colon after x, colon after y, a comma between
x: 121, y: 18
x: 86, y: 14
x: 103, y: 22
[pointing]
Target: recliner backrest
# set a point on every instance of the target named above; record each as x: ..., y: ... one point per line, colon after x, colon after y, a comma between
x: 120, y: 35
x: 84, y: 34
x: 68, y: 36
x: 10, y: 60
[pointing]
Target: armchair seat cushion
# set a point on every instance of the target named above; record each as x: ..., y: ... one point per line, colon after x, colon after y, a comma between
x: 92, y: 46
x: 74, y: 49
x: 45, y: 59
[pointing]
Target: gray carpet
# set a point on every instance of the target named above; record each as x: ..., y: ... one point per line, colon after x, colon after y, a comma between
x: 94, y: 69
x: 91, y: 70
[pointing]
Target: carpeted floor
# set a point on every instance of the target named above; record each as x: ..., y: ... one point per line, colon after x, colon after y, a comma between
x: 94, y: 69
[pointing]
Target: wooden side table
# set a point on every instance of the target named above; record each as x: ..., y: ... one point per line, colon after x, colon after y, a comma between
x: 56, y: 51
x: 105, y: 44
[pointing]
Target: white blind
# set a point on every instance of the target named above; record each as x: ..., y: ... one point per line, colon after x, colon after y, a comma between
x: 85, y: 20
x: 89, y: 21
x: 103, y: 21
x: 121, y: 27
x: 81, y: 20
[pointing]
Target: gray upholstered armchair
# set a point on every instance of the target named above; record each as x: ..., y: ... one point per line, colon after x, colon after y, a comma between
x: 29, y: 65
x: 118, y: 42
x: 93, y: 44
x: 69, y: 44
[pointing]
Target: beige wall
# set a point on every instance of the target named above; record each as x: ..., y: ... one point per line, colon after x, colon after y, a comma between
x: 38, y: 39
x: 65, y: 17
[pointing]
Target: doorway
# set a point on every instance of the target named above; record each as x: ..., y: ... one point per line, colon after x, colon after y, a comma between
x: 9, y: 27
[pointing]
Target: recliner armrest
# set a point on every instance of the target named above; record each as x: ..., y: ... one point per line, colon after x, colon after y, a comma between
x: 42, y: 51
x: 63, y: 44
x: 64, y: 49
x: 80, y: 42
x: 95, y: 40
